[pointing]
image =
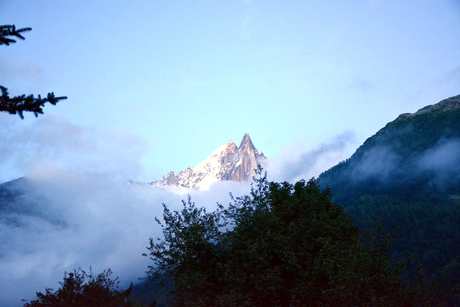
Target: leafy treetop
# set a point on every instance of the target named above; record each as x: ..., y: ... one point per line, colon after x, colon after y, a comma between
x: 84, y: 289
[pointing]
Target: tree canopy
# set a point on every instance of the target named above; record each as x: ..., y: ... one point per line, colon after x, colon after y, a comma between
x: 81, y: 289
x: 22, y: 103
x: 282, y: 245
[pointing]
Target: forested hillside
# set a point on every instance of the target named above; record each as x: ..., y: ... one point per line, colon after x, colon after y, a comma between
x: 408, y: 174
x: 288, y: 245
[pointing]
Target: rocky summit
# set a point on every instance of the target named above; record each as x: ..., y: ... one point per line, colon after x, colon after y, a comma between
x: 227, y: 163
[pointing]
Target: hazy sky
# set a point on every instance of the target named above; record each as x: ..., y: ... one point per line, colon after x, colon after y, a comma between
x: 155, y: 86
x: 167, y: 82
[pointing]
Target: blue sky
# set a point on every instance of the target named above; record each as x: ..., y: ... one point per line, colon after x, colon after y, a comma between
x: 158, y: 85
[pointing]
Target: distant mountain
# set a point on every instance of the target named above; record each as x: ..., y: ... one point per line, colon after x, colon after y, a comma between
x: 226, y: 163
x: 419, y: 151
x: 408, y: 176
x: 19, y: 198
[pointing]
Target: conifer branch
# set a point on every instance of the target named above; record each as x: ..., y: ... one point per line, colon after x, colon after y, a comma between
x: 10, y: 30
x: 22, y: 103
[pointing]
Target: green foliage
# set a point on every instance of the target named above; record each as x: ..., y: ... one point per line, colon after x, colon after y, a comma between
x: 150, y: 293
x: 22, y: 103
x: 81, y: 289
x: 428, y: 229
x: 281, y: 245
x: 189, y: 253
x: 387, y: 179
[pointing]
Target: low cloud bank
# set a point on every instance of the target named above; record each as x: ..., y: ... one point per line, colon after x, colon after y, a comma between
x: 442, y: 162
x: 78, y: 210
x: 439, y: 165
x: 305, y: 161
x: 84, y: 220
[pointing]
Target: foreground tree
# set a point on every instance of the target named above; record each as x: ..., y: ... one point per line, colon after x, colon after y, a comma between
x: 81, y: 289
x: 286, y: 245
x: 190, y: 254
x: 20, y: 104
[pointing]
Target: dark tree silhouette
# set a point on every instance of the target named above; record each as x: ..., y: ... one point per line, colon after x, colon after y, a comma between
x: 287, y: 245
x: 22, y: 103
x: 80, y: 289
x: 7, y: 31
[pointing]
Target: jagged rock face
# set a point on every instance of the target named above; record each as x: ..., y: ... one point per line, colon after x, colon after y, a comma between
x: 249, y: 158
x: 170, y: 179
x: 226, y: 163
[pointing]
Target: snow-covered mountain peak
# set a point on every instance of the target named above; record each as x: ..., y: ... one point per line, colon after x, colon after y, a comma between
x: 231, y: 147
x: 246, y: 142
x: 227, y: 162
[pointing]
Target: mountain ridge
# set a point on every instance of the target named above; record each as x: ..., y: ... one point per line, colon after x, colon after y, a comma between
x: 227, y: 163
x: 447, y: 104
x: 407, y: 177
x: 400, y: 151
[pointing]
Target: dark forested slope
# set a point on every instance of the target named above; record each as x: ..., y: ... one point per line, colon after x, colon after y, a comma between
x: 408, y: 174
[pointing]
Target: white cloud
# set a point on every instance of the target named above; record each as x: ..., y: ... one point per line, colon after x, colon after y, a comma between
x: 304, y: 161
x: 84, y: 219
x: 51, y: 139
x: 442, y: 162
x: 79, y: 211
x: 378, y: 162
